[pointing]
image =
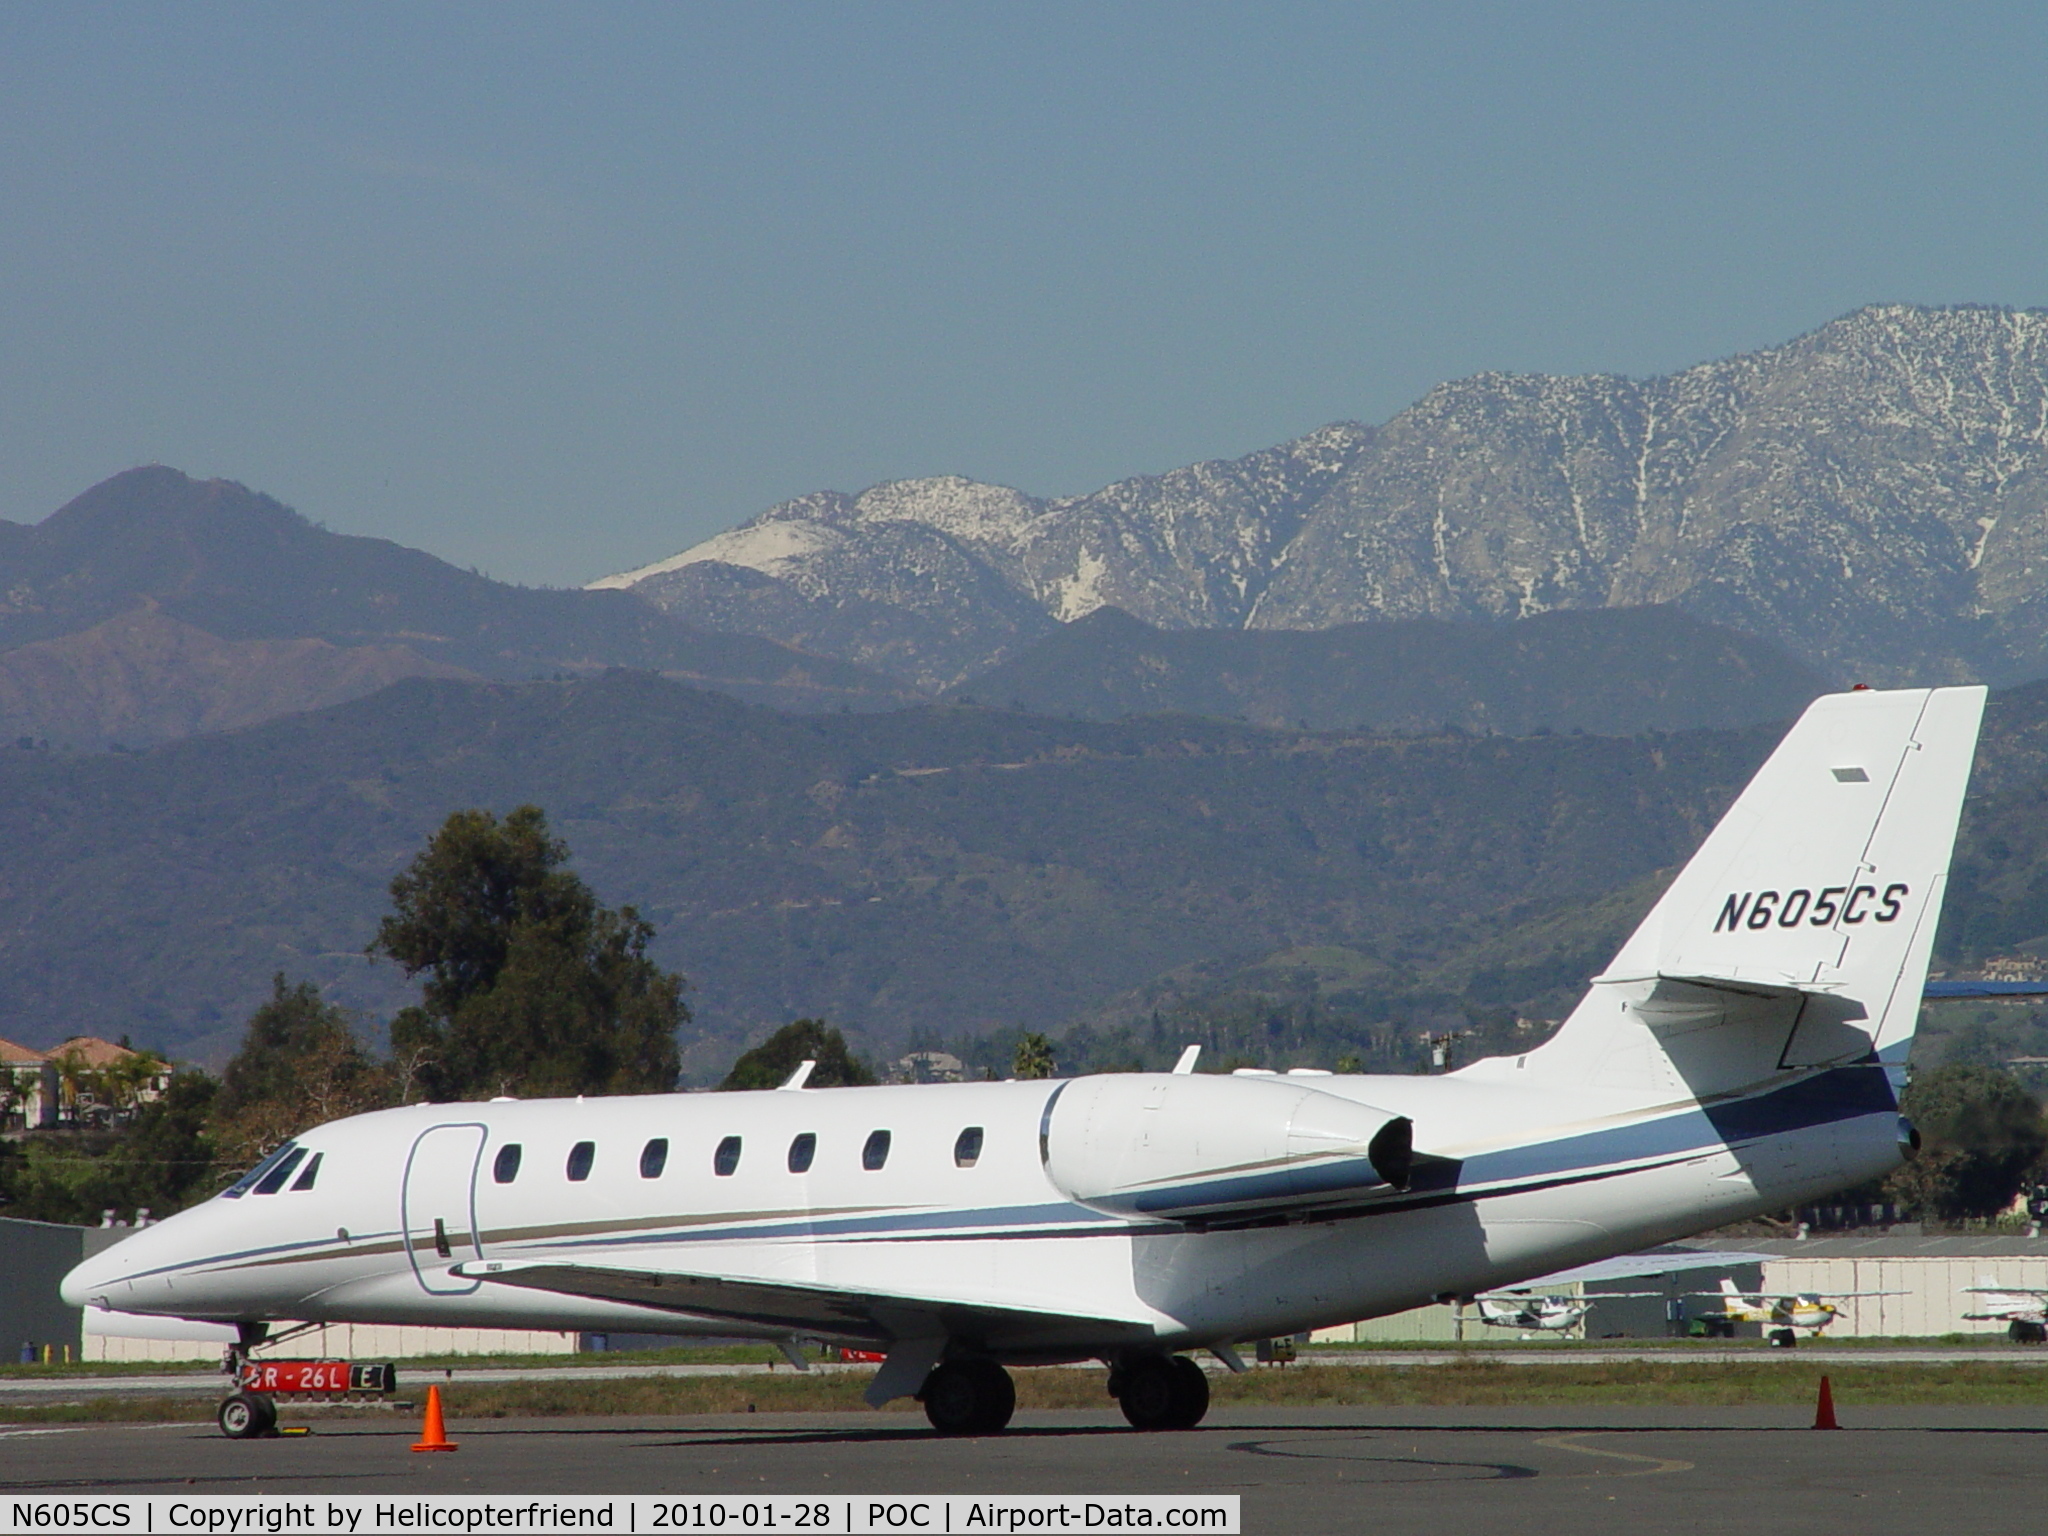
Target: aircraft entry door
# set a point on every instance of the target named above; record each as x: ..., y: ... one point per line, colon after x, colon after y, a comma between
x: 439, y: 1206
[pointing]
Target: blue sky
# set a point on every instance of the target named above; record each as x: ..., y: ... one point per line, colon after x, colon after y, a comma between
x: 552, y: 291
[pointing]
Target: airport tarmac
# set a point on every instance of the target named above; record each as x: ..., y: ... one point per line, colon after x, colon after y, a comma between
x: 25, y: 1389
x: 1645, y: 1471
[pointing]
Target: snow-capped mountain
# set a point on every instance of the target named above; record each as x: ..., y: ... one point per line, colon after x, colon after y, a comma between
x: 1873, y: 496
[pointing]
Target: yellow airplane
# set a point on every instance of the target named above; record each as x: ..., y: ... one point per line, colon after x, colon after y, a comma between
x: 1781, y: 1316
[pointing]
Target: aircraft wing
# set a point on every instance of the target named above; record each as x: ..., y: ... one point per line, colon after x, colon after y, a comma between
x: 1941, y: 989
x: 1795, y: 1295
x: 1657, y: 1261
x: 1525, y: 1294
x: 872, y: 1316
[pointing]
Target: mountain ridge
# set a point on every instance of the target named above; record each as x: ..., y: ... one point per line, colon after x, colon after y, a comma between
x: 1873, y: 495
x: 1612, y: 671
x: 262, y: 584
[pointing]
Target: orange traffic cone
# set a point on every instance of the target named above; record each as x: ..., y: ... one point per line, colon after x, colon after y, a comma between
x: 1824, y: 1410
x: 433, y: 1434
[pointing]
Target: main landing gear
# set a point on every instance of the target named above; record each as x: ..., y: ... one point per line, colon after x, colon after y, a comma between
x: 969, y: 1397
x: 1160, y: 1391
x: 976, y: 1396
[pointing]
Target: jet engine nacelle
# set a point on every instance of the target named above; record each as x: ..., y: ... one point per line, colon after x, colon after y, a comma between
x: 1192, y: 1148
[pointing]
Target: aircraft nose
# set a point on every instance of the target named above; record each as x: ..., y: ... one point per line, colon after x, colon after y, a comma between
x: 107, y: 1278
x: 88, y: 1281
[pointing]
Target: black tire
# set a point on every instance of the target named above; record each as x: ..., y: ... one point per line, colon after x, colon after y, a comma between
x: 1191, y: 1393
x: 2029, y: 1333
x: 969, y: 1397
x: 247, y: 1416
x: 998, y: 1398
x: 1150, y: 1393
x: 1784, y: 1338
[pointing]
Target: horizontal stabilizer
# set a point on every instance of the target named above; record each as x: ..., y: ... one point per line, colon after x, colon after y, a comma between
x: 1659, y: 1261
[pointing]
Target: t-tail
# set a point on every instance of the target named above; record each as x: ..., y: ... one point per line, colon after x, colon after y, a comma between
x: 1798, y: 937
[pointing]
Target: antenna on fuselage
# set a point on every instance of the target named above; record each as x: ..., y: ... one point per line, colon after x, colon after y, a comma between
x: 798, y: 1078
x: 1186, y: 1064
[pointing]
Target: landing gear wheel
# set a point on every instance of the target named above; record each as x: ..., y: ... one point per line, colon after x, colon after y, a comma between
x: 2028, y: 1333
x: 969, y: 1397
x: 1784, y: 1338
x: 1162, y: 1392
x: 247, y: 1416
x: 1191, y: 1393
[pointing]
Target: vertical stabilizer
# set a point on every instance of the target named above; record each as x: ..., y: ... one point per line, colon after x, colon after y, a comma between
x: 1799, y: 933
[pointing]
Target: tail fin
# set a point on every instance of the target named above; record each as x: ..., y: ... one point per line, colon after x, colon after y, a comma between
x: 1799, y: 933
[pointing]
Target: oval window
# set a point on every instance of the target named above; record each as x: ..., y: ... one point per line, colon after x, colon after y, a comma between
x: 801, y: 1151
x: 727, y: 1158
x: 876, y: 1152
x: 506, y: 1168
x: 967, y: 1149
x: 654, y: 1158
x: 581, y: 1156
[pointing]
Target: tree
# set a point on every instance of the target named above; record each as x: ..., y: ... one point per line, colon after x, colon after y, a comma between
x: 1981, y: 1135
x: 300, y: 1065
x: 1034, y: 1057
x: 532, y: 987
x: 769, y: 1064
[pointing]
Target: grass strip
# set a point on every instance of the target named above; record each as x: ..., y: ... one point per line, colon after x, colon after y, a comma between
x: 1475, y: 1383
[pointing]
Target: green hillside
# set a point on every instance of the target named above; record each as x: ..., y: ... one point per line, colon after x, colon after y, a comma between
x: 930, y: 874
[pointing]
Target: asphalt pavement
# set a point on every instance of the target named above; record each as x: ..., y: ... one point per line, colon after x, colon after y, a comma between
x: 1643, y: 1471
x: 411, y: 1378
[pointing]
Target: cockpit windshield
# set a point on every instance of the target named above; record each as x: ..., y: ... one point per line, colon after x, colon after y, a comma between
x: 242, y: 1186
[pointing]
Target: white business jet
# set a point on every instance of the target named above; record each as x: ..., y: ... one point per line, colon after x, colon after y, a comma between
x: 1742, y: 1054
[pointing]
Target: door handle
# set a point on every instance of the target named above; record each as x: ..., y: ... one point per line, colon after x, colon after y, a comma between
x: 441, y: 1239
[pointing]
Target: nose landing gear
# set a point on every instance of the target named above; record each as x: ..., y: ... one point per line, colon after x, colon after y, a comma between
x: 1160, y: 1391
x: 968, y: 1397
x: 247, y: 1416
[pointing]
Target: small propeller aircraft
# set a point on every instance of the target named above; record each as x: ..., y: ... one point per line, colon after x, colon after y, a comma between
x: 2024, y: 1311
x: 1546, y: 1305
x: 1533, y: 1313
x: 1781, y: 1316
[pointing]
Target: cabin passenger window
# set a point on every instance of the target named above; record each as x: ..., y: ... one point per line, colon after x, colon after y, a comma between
x: 654, y: 1158
x: 726, y: 1158
x: 876, y: 1152
x: 305, y: 1180
x: 801, y: 1151
x: 273, y: 1181
x: 967, y: 1149
x: 581, y: 1156
x: 241, y: 1186
x: 506, y: 1168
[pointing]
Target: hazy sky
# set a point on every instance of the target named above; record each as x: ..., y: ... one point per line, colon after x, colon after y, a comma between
x: 556, y: 290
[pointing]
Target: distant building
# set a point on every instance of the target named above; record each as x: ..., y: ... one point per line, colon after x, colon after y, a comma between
x: 24, y: 1101
x: 84, y: 1081
x: 929, y: 1067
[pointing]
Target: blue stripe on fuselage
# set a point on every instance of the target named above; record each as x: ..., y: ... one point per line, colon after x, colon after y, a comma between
x: 1838, y: 1094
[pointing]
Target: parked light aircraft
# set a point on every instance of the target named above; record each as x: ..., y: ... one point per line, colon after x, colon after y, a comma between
x: 1741, y: 1054
x: 1557, y: 1303
x: 1783, y: 1316
x: 1531, y: 1313
x: 2024, y: 1311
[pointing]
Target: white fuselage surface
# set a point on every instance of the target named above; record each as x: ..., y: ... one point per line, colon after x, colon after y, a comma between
x: 1741, y: 1055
